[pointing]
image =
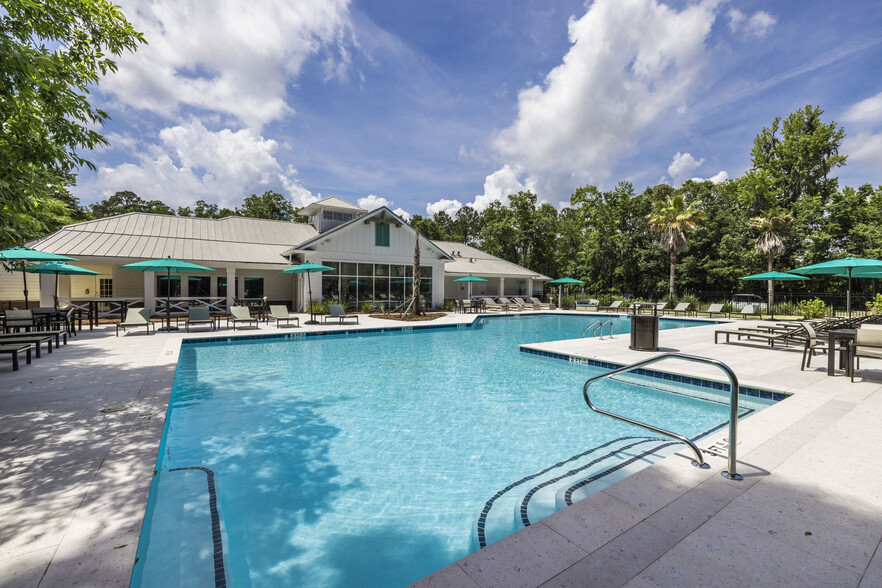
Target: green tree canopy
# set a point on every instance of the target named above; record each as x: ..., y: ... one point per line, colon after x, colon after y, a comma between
x: 127, y: 201
x: 51, y: 52
x: 270, y: 205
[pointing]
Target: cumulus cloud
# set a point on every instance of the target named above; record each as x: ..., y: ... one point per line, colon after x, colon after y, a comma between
x: 865, y: 111
x: 499, y: 186
x: 718, y: 178
x: 237, y: 61
x: 759, y: 24
x: 192, y: 163
x: 448, y: 206
x: 403, y: 213
x: 682, y: 165
x: 372, y: 202
x: 630, y: 62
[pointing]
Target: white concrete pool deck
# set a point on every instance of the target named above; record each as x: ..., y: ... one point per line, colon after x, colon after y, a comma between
x: 74, y: 481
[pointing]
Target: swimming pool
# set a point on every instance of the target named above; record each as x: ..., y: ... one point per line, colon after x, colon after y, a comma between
x: 370, y: 459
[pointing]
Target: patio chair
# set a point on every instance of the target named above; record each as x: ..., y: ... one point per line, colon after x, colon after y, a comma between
x: 239, y: 315
x: 659, y: 306
x: 786, y: 336
x: 14, y: 349
x: 18, y: 319
x: 867, y: 343
x: 614, y: 307
x: 712, y: 310
x: 542, y: 305
x: 682, y: 307
x: 199, y: 315
x: 136, y: 317
x: 812, y: 344
x: 522, y: 304
x: 490, y: 304
x: 337, y: 312
x: 508, y: 304
x: 280, y: 313
x: 748, y: 310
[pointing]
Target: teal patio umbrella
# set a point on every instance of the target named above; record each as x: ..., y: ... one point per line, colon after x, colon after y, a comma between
x: 169, y: 266
x: 560, y: 284
x: 470, y: 278
x: 59, y: 268
x: 774, y: 277
x: 846, y: 267
x: 308, y: 268
x: 23, y: 255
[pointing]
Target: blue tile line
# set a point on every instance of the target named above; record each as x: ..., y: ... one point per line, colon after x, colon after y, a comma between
x: 689, y: 380
x: 220, y: 579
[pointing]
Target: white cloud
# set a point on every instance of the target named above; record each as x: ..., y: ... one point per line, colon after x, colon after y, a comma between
x: 498, y: 186
x: 718, y: 178
x: 865, y: 111
x: 448, y: 206
x: 373, y: 202
x: 758, y: 25
x: 631, y: 61
x: 226, y: 56
x: 865, y: 147
x: 403, y: 213
x: 193, y: 163
x: 682, y: 165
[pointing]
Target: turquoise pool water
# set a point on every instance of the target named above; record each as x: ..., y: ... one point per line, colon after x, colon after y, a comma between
x: 371, y: 459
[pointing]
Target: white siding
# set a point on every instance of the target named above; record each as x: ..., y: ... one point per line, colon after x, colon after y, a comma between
x: 12, y: 287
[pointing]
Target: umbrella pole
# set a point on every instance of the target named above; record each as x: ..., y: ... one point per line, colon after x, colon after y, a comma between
x: 848, y: 297
x: 312, y: 320
x: 24, y: 277
x: 55, y: 296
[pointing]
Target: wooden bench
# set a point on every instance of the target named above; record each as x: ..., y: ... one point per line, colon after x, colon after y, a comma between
x: 14, y: 349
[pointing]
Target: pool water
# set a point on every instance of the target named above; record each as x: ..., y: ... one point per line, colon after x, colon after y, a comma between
x: 369, y: 459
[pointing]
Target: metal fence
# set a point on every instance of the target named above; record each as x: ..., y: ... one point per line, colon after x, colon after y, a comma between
x: 837, y: 300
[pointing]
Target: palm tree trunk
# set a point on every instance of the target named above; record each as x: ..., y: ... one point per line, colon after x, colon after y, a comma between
x: 673, y: 265
x: 771, y: 283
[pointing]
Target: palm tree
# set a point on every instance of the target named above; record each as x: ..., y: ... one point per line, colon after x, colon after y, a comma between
x: 673, y: 218
x: 774, y: 227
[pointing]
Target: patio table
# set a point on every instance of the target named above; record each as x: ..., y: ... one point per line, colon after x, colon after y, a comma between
x: 844, y: 336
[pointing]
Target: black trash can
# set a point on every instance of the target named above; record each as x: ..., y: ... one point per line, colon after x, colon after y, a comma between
x: 644, y: 332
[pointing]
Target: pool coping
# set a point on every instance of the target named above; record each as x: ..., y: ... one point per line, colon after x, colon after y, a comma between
x: 90, y: 527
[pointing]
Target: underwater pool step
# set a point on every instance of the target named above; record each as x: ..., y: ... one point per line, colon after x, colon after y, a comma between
x: 538, y: 495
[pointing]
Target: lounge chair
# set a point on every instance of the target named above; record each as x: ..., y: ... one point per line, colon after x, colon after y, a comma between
x: 712, y: 310
x: 867, y: 343
x: 337, y: 312
x: 587, y: 304
x: 14, y: 349
x: 136, y: 317
x: 682, y: 307
x: 542, y: 305
x: 748, y: 310
x: 788, y: 336
x: 522, y: 304
x: 614, y: 307
x: 812, y: 344
x: 490, y: 304
x: 508, y: 304
x: 18, y: 319
x: 199, y: 315
x: 656, y: 308
x: 241, y: 314
x: 280, y: 313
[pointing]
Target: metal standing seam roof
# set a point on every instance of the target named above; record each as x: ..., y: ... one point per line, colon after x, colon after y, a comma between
x: 147, y: 236
x: 470, y: 260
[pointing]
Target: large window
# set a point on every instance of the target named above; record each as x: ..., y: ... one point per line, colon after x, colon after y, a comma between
x: 168, y: 286
x: 377, y: 283
x: 105, y: 287
x: 381, y: 233
x: 253, y: 287
x: 199, y: 286
x: 336, y: 216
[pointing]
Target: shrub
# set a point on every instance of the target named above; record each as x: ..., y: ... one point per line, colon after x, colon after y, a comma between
x: 449, y: 304
x: 875, y: 306
x: 317, y: 307
x: 812, y: 309
x: 568, y: 302
x: 367, y: 306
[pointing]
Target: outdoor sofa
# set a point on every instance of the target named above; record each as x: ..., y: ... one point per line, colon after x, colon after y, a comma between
x: 587, y: 304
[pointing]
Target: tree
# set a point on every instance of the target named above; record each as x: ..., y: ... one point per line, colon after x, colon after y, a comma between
x: 417, y: 303
x: 51, y: 53
x: 673, y: 218
x: 774, y: 227
x: 270, y: 205
x: 127, y: 201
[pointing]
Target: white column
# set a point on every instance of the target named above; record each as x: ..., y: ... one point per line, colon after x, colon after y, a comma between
x: 502, y: 286
x: 241, y: 288
x: 47, y: 289
x: 231, y: 285
x: 185, y: 285
x: 150, y: 290
x: 529, y: 287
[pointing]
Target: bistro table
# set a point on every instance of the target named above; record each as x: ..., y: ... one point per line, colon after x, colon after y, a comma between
x: 844, y: 336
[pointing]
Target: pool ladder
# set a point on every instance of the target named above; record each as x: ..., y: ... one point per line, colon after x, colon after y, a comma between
x: 733, y: 407
x: 599, y: 325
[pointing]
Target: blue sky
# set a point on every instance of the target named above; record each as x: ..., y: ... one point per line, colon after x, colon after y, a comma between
x: 427, y: 106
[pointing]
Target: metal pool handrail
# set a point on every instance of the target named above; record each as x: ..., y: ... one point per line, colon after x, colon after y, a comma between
x: 733, y: 407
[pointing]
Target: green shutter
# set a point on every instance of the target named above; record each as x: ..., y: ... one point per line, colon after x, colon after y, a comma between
x: 381, y: 234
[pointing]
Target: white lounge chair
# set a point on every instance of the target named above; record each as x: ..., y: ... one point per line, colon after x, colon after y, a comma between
x: 337, y: 312
x: 280, y: 313
x: 136, y: 317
